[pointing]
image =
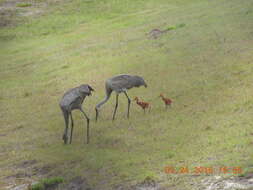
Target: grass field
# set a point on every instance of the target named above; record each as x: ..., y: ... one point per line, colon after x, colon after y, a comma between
x: 205, y: 67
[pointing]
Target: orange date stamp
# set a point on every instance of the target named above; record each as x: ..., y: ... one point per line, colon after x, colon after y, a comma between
x: 203, y: 170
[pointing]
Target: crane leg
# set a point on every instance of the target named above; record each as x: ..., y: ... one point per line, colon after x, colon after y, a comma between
x: 66, y: 118
x: 96, y: 114
x: 116, y: 106
x: 88, y: 125
x: 144, y: 110
x: 129, y: 102
x: 72, y: 127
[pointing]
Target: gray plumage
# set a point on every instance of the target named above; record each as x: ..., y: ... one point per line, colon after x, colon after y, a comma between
x: 120, y: 83
x: 71, y: 100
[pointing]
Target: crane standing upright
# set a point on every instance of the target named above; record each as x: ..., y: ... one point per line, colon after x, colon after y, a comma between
x: 71, y: 100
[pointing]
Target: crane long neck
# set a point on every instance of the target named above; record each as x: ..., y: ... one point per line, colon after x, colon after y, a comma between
x: 108, y: 94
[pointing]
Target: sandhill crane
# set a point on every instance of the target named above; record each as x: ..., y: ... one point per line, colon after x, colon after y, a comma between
x: 120, y: 83
x: 71, y: 100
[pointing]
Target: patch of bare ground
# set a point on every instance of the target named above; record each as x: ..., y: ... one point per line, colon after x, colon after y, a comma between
x: 155, y: 33
x: 231, y: 183
x: 26, y: 163
x: 23, y: 175
x: 77, y: 183
x: 43, y: 171
x: 27, y: 172
x: 6, y: 16
x: 3, y: 135
x: 147, y: 184
x: 13, y: 11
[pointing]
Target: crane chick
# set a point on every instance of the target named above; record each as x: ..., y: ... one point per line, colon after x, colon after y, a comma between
x: 166, y: 101
x: 143, y: 105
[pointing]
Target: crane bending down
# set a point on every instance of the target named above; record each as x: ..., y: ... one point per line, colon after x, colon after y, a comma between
x: 71, y: 100
x: 120, y: 83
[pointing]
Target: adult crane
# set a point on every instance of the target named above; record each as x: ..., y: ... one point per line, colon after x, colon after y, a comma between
x: 72, y: 100
x: 120, y: 83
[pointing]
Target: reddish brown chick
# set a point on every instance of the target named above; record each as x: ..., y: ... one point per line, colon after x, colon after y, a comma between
x: 166, y: 101
x: 143, y: 105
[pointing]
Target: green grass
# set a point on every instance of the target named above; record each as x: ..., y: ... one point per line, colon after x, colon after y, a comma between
x: 176, y: 27
x: 47, y: 183
x: 52, y: 181
x: 24, y: 4
x: 38, y: 186
x: 204, y: 67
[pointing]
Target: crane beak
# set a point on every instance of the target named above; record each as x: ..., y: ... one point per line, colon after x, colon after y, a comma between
x: 91, y: 89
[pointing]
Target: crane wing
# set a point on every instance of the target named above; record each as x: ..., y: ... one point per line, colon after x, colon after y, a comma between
x: 69, y: 97
x: 121, y: 83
